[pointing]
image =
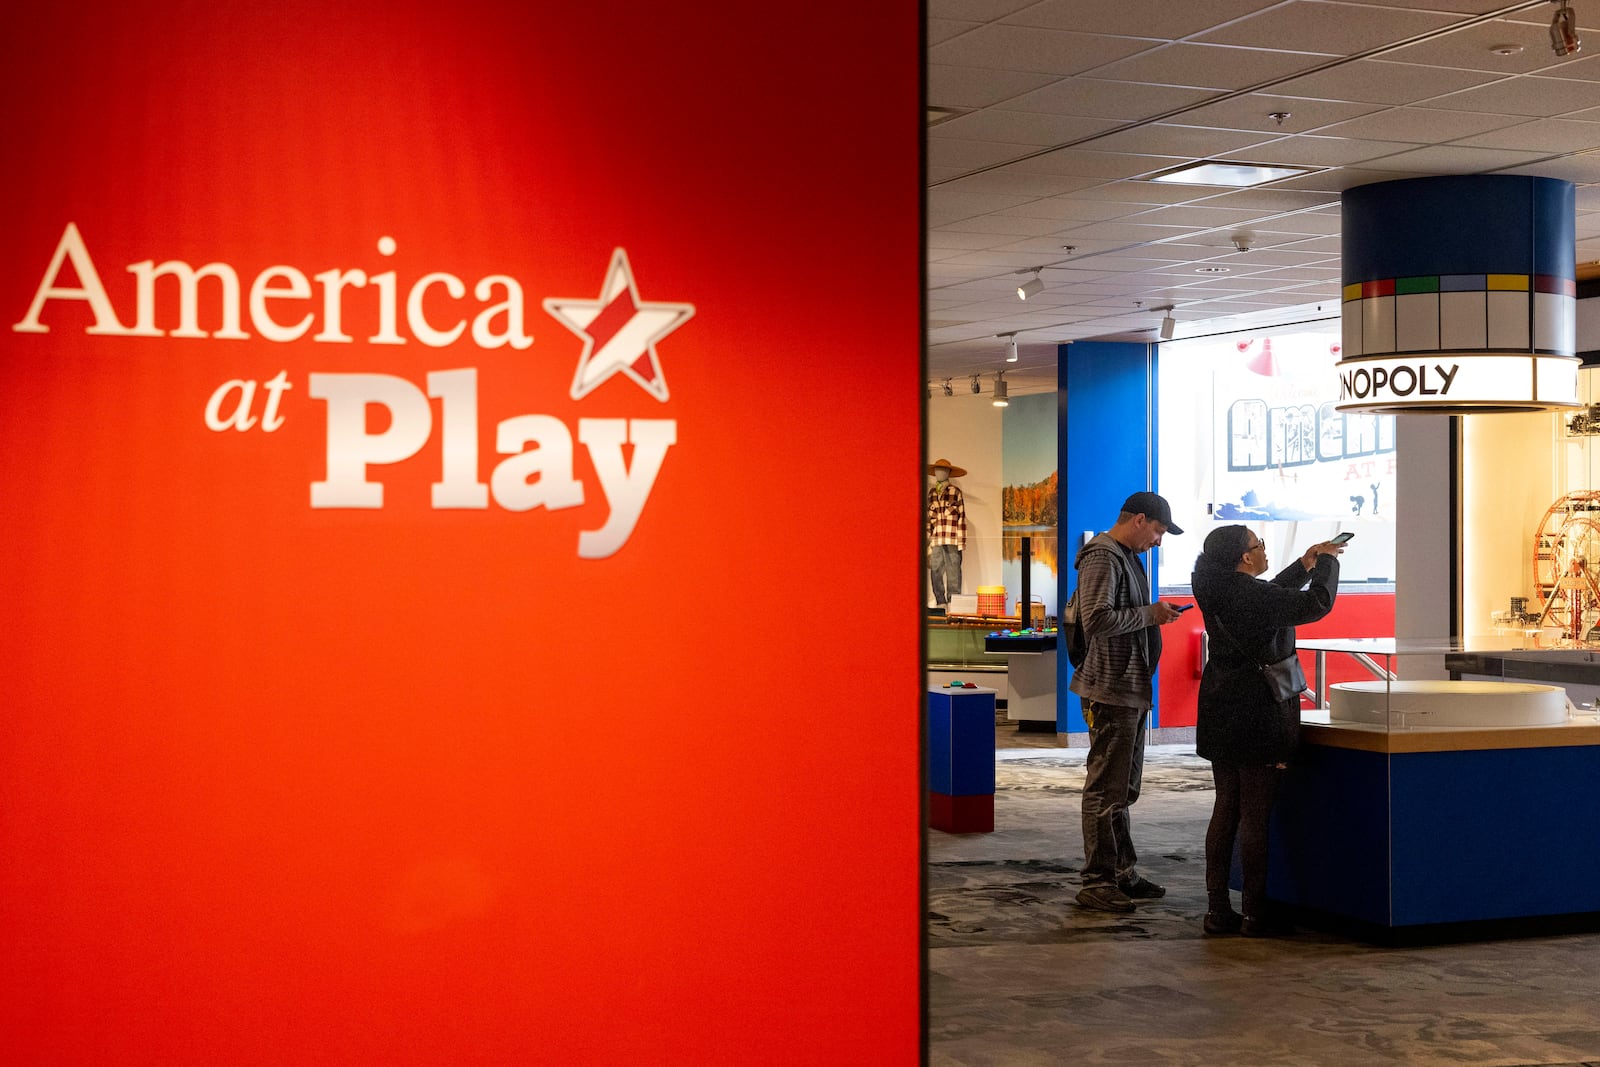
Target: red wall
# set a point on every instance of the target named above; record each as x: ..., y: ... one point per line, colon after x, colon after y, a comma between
x: 420, y: 783
x: 1353, y: 615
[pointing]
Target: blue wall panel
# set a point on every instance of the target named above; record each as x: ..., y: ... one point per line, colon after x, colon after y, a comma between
x: 1107, y: 451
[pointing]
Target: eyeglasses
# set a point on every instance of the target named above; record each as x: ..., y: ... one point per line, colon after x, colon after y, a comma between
x: 1258, y: 544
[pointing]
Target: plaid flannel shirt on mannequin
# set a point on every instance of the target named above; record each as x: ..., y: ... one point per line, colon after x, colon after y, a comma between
x: 947, y: 516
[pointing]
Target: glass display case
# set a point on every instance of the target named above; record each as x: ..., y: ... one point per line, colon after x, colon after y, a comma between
x: 1496, y: 682
x: 1530, y: 524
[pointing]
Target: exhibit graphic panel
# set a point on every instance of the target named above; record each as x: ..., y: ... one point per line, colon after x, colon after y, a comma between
x: 400, y: 402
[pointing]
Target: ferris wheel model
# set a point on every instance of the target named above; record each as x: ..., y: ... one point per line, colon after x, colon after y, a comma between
x: 1566, y: 565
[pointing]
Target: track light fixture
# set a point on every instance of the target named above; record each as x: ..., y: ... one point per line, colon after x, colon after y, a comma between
x: 1033, y: 286
x: 1564, y: 31
x: 1168, y: 323
x: 976, y: 388
x: 949, y: 390
x: 1011, y: 354
x: 1000, y: 398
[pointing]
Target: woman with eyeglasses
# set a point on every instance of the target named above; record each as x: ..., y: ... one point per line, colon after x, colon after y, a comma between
x: 1243, y: 729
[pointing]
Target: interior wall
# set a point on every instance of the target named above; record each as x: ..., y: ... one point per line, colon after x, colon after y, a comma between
x: 1423, y: 558
x: 966, y: 430
x: 1509, y: 484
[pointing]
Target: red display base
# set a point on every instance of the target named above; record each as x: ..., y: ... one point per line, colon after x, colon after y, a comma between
x: 961, y: 815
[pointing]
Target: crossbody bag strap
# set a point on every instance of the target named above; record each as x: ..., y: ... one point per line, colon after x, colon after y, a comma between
x: 1234, y: 642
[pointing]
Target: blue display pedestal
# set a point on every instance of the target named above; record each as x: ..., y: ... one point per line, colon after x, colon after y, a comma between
x: 1409, y: 839
x: 961, y: 760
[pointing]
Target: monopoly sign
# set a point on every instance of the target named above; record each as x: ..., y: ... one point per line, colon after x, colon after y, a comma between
x: 1454, y: 380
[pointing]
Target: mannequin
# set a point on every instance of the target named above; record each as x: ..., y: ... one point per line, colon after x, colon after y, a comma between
x: 947, y: 530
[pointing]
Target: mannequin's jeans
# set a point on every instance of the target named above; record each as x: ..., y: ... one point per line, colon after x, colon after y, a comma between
x: 944, y: 568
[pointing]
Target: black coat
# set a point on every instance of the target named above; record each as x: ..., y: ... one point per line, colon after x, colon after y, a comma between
x: 1251, y: 622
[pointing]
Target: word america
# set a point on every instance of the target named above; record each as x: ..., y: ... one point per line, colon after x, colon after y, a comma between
x: 276, y: 295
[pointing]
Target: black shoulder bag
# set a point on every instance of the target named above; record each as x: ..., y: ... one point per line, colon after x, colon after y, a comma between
x: 1285, y: 679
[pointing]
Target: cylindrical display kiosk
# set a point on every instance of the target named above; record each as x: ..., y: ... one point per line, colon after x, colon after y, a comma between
x: 1459, y: 295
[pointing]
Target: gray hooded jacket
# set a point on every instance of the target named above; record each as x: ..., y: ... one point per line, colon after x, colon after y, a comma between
x: 1119, y: 623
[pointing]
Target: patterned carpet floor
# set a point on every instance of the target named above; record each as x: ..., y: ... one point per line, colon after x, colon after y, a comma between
x: 1019, y: 975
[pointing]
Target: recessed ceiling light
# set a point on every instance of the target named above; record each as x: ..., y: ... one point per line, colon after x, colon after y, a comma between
x: 1505, y: 49
x: 1224, y: 172
x: 1213, y: 270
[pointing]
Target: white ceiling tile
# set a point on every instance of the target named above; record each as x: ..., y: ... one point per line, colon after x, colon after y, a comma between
x: 1420, y: 125
x: 1122, y: 231
x: 948, y: 239
x: 1465, y: 7
x: 1164, y: 139
x: 1272, y: 198
x: 944, y: 29
x: 974, y: 10
x: 1128, y: 264
x: 1068, y: 208
x: 1088, y: 164
x: 1447, y: 159
x: 1311, y: 150
x: 1325, y: 245
x: 948, y: 206
x: 1277, y: 257
x: 1545, y: 136
x: 1378, y: 82
x: 971, y: 155
x: 1578, y: 68
x: 1002, y: 47
x: 1337, y: 181
x: 1334, y: 27
x: 1147, y: 18
x: 1021, y: 127
x: 1288, y: 275
x: 1471, y: 49
x: 1254, y: 111
x: 1534, y: 97
x: 997, y: 260
x: 1572, y: 169
x: 1050, y: 248
x: 1287, y: 229
x: 1134, y: 240
x: 1539, y: 15
x: 965, y: 87
x: 1003, y: 226
x: 1126, y: 101
x: 1195, y: 217
x: 1207, y: 66
x: 1007, y: 180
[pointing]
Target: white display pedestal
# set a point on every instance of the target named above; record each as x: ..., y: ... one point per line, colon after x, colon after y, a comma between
x: 1032, y: 678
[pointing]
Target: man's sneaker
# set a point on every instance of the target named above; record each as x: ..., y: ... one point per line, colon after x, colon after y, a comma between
x: 1143, y: 889
x: 1105, y: 898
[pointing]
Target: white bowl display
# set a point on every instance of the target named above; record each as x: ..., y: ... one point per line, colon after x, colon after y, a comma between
x: 1444, y: 703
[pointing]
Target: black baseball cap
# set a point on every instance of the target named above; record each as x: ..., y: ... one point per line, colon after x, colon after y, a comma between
x: 1152, y: 506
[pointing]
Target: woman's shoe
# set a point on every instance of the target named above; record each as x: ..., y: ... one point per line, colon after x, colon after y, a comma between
x: 1218, y: 923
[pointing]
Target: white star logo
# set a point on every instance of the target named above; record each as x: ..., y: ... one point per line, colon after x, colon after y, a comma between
x: 619, y: 331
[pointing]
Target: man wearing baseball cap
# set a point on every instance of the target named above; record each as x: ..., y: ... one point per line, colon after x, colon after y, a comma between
x: 1123, y: 630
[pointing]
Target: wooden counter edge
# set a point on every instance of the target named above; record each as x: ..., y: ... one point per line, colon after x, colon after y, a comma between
x: 1456, y: 739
